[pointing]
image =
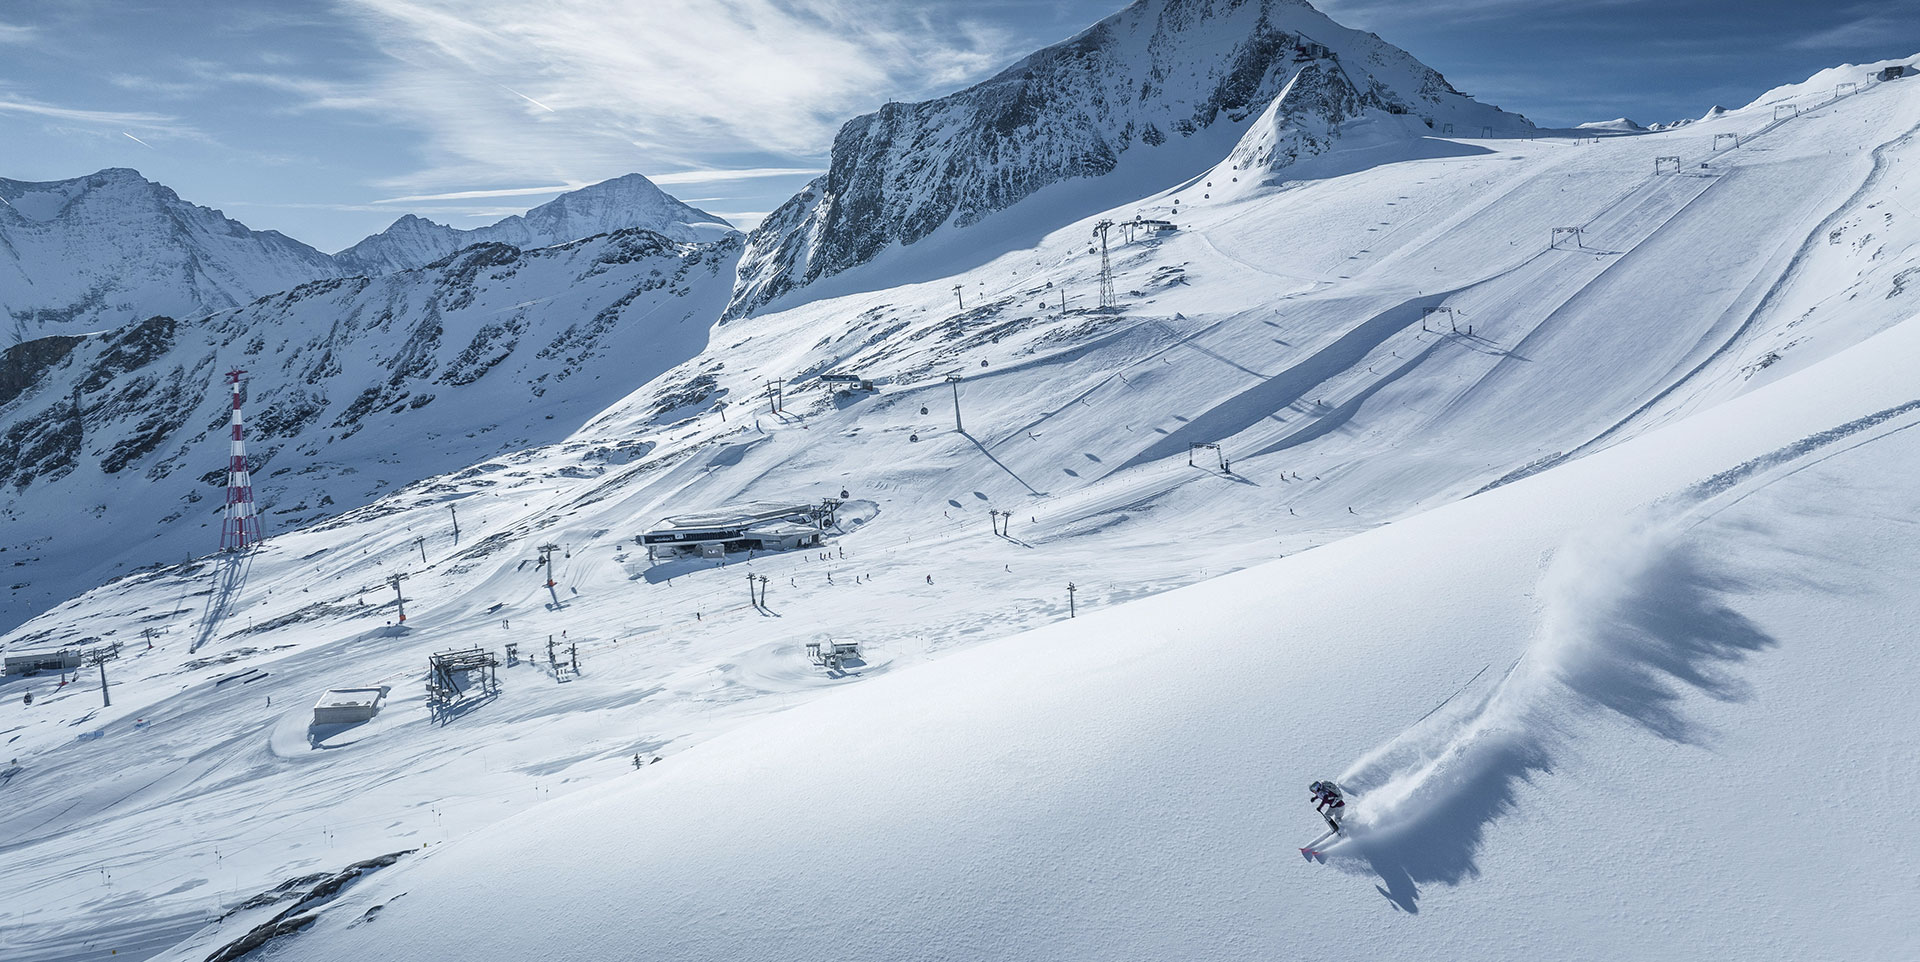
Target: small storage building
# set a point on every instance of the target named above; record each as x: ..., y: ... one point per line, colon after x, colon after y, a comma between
x: 1895, y: 72
x: 349, y: 706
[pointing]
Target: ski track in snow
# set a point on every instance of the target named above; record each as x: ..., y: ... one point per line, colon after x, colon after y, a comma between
x: 1634, y: 619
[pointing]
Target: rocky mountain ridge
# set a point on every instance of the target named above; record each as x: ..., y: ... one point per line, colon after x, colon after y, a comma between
x: 628, y: 201
x: 111, y: 444
x: 1133, y: 89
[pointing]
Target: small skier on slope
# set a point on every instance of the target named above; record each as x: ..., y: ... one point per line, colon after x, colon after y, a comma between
x: 1327, y: 800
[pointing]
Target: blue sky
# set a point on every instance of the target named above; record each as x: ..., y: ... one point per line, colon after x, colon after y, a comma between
x: 327, y: 119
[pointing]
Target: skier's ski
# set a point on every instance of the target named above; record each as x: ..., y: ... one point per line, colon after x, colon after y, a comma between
x: 1310, y: 852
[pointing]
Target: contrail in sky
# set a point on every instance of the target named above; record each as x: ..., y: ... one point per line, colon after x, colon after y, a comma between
x: 136, y: 140
x: 528, y: 99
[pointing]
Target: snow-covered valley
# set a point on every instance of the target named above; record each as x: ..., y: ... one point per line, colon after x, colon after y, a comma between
x: 1627, y: 508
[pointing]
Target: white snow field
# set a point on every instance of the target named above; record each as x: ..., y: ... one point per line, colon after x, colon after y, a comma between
x: 1641, y: 528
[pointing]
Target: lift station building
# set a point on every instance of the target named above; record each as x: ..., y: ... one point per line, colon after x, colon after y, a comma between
x: 751, y: 526
x: 30, y: 661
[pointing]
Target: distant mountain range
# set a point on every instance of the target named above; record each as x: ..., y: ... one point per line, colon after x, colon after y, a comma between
x: 98, y: 251
x: 629, y: 201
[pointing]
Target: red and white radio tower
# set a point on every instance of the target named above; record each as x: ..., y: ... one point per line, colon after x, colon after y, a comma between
x: 240, y: 527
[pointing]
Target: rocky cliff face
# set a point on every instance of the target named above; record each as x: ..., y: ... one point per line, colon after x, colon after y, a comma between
x: 98, y: 251
x: 1303, y: 120
x: 618, y: 204
x: 113, y: 444
x: 1131, y: 89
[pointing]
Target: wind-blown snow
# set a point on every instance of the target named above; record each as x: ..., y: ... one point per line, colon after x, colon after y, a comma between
x: 1636, y: 621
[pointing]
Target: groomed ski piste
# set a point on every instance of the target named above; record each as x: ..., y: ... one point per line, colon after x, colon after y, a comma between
x: 1595, y: 593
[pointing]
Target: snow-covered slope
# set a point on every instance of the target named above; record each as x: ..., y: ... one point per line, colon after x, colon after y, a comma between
x: 1371, y: 335
x: 1571, y: 713
x: 111, y: 444
x: 98, y: 251
x: 1158, y: 92
x: 617, y: 204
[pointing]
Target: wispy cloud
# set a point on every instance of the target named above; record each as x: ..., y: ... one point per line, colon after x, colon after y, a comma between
x: 719, y: 175
x: 742, y: 219
x: 11, y: 33
x: 476, y: 194
x: 1376, y: 13
x: 309, y: 93
x: 1867, y: 34
x: 577, y: 89
x: 441, y: 213
x: 114, y: 118
x: 172, y: 89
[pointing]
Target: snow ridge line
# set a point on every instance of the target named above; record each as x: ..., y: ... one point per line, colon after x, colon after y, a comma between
x: 1787, y: 454
x: 289, y: 920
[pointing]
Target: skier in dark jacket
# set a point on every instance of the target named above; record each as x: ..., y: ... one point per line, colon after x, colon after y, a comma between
x: 1328, y: 801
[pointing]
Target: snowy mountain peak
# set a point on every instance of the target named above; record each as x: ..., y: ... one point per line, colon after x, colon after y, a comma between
x: 623, y: 202
x: 109, y: 247
x: 627, y: 201
x: 1158, y: 93
x: 1303, y: 120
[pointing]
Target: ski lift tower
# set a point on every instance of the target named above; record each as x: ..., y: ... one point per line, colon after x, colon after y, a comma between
x: 1193, y: 446
x: 240, y: 525
x: 955, y: 379
x: 1106, y: 267
x: 1578, y: 235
